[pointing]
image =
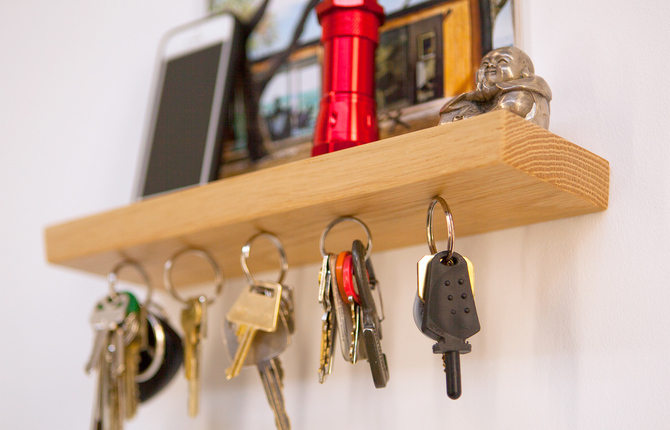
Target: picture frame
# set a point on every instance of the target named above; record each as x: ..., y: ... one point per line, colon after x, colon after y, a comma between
x: 442, y: 41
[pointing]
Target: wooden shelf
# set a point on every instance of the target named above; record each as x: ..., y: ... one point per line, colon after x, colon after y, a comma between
x: 496, y: 171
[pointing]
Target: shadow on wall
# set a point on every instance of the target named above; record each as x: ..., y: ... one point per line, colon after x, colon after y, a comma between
x: 530, y: 313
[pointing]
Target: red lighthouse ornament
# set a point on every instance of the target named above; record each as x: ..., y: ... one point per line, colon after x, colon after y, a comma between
x: 347, y: 113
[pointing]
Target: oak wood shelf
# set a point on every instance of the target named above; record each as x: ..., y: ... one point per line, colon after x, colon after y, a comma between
x: 496, y: 171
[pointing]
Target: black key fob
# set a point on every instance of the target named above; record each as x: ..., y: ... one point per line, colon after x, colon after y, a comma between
x: 161, y: 361
x: 449, y: 314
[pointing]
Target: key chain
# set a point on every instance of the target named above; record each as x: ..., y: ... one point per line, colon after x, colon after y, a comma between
x: 194, y: 322
x: 257, y: 308
x: 444, y: 308
x: 139, y: 348
x: 346, y: 282
x: 161, y: 354
x: 344, y: 313
x: 343, y: 266
x: 119, y: 324
x: 246, y: 328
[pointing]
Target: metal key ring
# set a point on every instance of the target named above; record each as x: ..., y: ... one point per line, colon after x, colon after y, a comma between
x: 246, y: 249
x: 113, y: 279
x: 159, y: 351
x: 450, y: 226
x: 322, y: 242
x: 218, y: 276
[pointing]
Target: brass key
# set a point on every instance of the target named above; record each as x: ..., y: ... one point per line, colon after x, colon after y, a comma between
x: 328, y: 321
x: 256, y: 308
x: 352, y: 299
x: 194, y: 323
x: 421, y: 268
x: 132, y: 340
x: 355, y: 331
x: 132, y: 365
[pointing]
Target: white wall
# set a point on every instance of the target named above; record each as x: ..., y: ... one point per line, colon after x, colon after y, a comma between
x: 574, y: 313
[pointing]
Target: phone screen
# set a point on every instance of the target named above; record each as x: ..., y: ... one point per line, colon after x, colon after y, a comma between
x: 181, y: 126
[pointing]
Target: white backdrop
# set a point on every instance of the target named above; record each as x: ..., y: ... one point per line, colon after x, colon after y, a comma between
x: 574, y: 313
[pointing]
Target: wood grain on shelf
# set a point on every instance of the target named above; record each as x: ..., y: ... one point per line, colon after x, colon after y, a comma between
x: 496, y: 171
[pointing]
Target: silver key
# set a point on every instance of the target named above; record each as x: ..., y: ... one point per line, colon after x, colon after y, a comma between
x: 345, y: 323
x: 286, y: 307
x: 342, y: 315
x: 99, y: 402
x: 271, y: 375
x: 107, y: 315
x: 371, y: 326
x: 110, y: 411
x: 264, y: 351
x: 266, y: 345
x: 100, y: 343
x: 107, y: 320
x: 271, y: 371
x: 104, y: 412
x: 117, y: 348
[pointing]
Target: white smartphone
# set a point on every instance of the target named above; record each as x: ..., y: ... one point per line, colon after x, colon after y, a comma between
x: 192, y: 90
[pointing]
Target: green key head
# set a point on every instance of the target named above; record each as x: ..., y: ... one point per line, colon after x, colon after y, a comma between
x: 134, y: 324
x: 133, y: 304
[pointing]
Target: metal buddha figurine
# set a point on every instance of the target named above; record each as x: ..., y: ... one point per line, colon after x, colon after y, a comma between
x: 505, y: 80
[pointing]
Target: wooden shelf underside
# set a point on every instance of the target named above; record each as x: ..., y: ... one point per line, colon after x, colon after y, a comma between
x: 496, y: 171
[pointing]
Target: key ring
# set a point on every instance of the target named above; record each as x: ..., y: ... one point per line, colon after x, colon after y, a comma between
x: 113, y: 279
x: 159, y: 352
x: 322, y: 242
x: 450, y: 226
x: 218, y: 276
x: 246, y: 249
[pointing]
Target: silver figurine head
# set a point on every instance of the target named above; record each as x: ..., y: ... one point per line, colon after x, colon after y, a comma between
x: 505, y: 80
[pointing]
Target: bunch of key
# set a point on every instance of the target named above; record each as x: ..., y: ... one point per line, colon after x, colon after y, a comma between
x: 258, y: 328
x: 444, y: 309
x: 194, y: 323
x: 135, y: 352
x: 115, y: 357
x: 346, y: 283
x: 120, y: 327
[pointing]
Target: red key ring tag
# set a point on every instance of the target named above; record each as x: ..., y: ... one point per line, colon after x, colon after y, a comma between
x: 348, y: 280
x: 339, y: 266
